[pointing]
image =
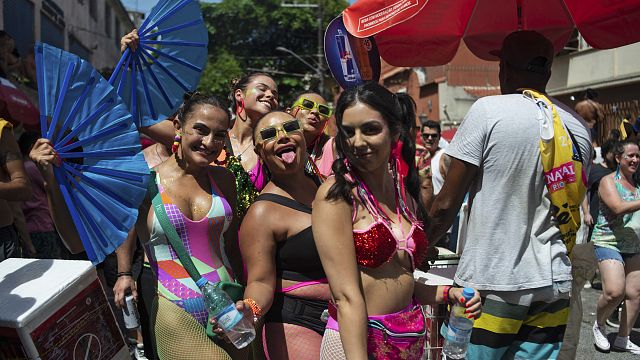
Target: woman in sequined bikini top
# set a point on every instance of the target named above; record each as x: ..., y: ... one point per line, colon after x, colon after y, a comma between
x: 377, y: 244
x: 368, y: 234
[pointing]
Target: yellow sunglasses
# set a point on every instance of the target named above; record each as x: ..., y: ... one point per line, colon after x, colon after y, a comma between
x: 271, y: 132
x: 307, y: 104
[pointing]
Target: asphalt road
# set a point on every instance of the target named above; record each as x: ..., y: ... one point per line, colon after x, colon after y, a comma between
x: 586, y: 349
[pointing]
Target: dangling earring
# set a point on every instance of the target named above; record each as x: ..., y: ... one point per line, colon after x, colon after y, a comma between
x: 222, y: 162
x: 240, y: 109
x: 348, y: 176
x: 176, y: 141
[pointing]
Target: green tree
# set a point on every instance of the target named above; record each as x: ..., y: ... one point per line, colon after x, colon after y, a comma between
x: 244, y: 35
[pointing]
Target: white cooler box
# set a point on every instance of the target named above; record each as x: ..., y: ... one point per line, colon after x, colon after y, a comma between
x: 56, y: 309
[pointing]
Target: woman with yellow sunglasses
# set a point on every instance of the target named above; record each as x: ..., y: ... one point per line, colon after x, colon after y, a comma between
x: 285, y: 281
x: 314, y: 112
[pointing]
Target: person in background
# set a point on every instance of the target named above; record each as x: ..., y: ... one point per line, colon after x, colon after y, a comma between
x: 430, y: 132
x: 629, y: 128
x: 44, y: 236
x: 314, y: 113
x: 514, y: 252
x: 14, y: 186
x: 616, y: 237
x: 252, y: 96
x: 593, y: 114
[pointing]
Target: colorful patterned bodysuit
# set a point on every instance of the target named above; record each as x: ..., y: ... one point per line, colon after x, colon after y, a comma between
x: 203, y: 240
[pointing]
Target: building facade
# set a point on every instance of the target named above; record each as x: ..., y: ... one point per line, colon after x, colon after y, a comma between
x: 444, y: 93
x: 90, y: 29
x: 614, y: 75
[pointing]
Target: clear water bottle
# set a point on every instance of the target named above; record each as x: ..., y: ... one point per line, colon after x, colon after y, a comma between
x: 459, y: 330
x: 238, y: 328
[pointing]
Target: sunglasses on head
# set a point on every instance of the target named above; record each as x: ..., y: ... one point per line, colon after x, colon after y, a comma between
x: 271, y: 132
x: 307, y: 104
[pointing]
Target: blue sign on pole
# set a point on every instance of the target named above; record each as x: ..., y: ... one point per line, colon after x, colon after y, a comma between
x: 352, y: 61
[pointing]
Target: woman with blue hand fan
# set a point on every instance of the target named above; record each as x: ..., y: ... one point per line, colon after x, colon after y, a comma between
x: 199, y: 203
x: 252, y: 96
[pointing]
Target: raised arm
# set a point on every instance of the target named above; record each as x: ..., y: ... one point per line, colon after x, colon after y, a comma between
x: 16, y: 187
x: 162, y: 131
x: 43, y: 156
x: 332, y: 231
x: 610, y: 197
x: 131, y: 40
x: 258, y: 247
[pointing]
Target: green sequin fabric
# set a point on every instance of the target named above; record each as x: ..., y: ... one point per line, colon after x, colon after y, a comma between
x: 247, y: 192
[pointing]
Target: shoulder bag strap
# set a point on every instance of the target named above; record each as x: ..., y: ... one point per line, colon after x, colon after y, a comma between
x: 171, y: 233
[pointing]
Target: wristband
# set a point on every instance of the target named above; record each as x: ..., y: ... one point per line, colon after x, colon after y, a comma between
x: 445, y: 294
x: 255, y: 308
x: 124, y: 273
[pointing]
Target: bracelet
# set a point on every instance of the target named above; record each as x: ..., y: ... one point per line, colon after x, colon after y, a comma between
x: 255, y: 308
x: 124, y: 273
x: 445, y: 294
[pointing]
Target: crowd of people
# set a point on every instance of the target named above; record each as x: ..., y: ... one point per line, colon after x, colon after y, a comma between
x: 322, y: 234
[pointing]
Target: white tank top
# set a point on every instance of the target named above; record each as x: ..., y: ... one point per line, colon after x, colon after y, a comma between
x: 437, y: 177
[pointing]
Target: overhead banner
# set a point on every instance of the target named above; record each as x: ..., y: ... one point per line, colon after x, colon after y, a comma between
x: 352, y: 61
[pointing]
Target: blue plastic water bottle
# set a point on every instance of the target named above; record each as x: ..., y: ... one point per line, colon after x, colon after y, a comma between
x: 459, y: 330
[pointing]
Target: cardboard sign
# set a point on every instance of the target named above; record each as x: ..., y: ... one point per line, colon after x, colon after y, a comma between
x: 352, y: 61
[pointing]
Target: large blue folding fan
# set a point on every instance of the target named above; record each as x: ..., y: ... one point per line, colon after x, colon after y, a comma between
x: 102, y: 176
x: 167, y: 63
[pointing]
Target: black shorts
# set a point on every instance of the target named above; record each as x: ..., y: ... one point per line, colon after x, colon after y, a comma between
x: 297, y: 311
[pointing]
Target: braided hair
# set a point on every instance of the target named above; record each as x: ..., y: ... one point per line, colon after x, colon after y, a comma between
x: 399, y: 112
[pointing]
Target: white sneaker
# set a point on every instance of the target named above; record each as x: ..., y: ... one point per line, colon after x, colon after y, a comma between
x: 600, y: 338
x: 623, y: 343
x: 138, y: 352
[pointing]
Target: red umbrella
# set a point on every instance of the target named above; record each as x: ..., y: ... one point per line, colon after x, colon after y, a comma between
x: 16, y: 107
x: 428, y: 32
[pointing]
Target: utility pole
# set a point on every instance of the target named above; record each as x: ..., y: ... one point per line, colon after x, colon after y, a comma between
x: 319, y: 68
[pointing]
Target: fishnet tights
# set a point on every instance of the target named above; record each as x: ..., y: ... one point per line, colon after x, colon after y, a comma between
x: 180, y: 336
x: 331, y: 348
x: 288, y: 341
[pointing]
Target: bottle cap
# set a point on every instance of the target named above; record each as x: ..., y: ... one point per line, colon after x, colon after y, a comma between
x: 202, y: 282
x: 468, y: 293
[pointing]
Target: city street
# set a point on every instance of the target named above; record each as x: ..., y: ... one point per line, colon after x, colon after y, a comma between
x: 586, y: 350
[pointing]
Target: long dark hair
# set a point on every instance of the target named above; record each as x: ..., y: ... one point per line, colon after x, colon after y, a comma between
x: 399, y: 112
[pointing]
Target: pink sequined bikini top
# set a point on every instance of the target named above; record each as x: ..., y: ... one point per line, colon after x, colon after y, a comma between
x: 377, y: 244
